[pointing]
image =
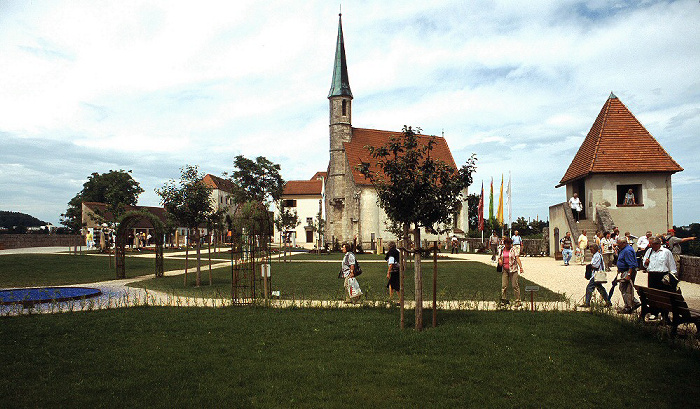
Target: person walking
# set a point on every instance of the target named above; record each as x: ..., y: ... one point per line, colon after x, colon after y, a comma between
x: 393, y: 273
x: 627, y: 271
x: 607, y: 244
x: 352, y: 288
x: 575, y: 205
x: 517, y: 242
x: 566, y: 247
x: 582, y: 246
x: 511, y: 265
x: 493, y: 242
x: 597, y: 265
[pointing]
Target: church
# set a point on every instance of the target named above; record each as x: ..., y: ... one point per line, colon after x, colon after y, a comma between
x: 350, y: 202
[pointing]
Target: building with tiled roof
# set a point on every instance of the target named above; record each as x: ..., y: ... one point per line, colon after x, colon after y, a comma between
x: 305, y: 198
x: 221, y: 193
x: 351, y: 205
x: 619, y: 156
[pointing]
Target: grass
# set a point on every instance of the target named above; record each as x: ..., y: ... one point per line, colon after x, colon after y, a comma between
x: 29, y: 270
x: 337, y: 358
x: 457, y: 280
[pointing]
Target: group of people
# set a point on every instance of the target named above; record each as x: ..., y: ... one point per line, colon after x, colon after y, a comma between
x: 658, y: 255
x: 348, y: 270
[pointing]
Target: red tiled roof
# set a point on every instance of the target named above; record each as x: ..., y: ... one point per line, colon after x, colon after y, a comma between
x: 320, y: 175
x: 618, y: 143
x: 302, y: 187
x: 101, y: 209
x: 216, y: 182
x: 356, y: 152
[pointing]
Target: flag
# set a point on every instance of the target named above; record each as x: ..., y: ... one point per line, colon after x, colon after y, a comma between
x: 491, y: 201
x: 481, y: 208
x: 499, y: 216
x: 510, y: 206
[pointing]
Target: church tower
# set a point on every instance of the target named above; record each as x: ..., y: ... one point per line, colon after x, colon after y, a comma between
x: 338, y: 185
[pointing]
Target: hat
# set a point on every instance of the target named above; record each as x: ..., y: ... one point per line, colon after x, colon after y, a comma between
x: 671, y: 231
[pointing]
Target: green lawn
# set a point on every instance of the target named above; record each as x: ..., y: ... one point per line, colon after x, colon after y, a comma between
x: 337, y: 358
x: 28, y: 270
x: 457, y: 280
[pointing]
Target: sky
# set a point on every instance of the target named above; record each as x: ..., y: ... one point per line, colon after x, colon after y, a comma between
x: 150, y: 86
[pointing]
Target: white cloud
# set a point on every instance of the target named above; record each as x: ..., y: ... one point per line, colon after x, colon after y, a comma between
x: 154, y: 85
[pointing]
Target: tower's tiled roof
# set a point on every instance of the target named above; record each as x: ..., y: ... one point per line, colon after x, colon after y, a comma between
x: 356, y: 152
x: 216, y: 182
x: 618, y: 143
x: 302, y: 187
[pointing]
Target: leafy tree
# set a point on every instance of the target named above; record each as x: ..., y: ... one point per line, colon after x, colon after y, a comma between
x: 187, y: 201
x: 12, y: 219
x: 284, y: 221
x: 473, y: 208
x: 115, y: 188
x: 257, y: 181
x: 417, y: 190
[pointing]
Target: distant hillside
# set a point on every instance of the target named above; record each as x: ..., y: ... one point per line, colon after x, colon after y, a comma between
x: 11, y: 219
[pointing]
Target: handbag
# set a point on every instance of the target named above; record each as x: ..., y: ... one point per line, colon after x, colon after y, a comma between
x: 589, y: 272
x: 358, y: 270
x: 600, y: 276
x: 499, y: 268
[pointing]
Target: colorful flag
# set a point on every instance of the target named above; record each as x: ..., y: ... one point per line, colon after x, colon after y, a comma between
x: 481, y: 208
x: 499, y: 216
x: 491, y: 201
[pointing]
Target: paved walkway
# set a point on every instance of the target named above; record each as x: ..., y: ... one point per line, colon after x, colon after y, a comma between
x: 544, y: 271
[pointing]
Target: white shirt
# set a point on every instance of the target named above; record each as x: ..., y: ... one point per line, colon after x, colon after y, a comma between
x: 660, y: 261
x: 517, y: 240
x: 642, y: 243
x: 607, y: 245
x: 575, y: 203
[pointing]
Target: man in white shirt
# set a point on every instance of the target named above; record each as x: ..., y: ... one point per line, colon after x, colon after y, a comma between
x: 642, y: 244
x: 517, y: 242
x: 661, y: 267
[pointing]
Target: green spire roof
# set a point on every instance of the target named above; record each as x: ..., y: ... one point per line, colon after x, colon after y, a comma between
x: 340, y: 85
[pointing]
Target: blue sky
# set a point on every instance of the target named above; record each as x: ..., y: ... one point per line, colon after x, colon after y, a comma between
x: 149, y: 86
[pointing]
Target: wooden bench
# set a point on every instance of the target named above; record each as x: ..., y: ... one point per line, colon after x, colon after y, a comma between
x: 658, y: 301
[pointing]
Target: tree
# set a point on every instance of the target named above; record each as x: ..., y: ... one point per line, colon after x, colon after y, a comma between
x: 187, y: 201
x: 416, y: 190
x: 285, y: 220
x: 257, y: 181
x: 473, y: 207
x: 320, y: 227
x: 115, y: 188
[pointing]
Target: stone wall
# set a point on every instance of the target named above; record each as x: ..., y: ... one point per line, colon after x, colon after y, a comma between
x: 690, y: 269
x: 530, y: 247
x: 18, y: 241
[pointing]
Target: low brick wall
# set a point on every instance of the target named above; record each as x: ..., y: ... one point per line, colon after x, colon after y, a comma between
x: 18, y: 241
x: 690, y: 269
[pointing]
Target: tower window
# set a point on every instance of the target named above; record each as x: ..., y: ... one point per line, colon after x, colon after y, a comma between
x: 345, y: 107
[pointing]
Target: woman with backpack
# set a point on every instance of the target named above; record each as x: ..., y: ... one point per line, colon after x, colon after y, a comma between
x: 352, y: 287
x: 393, y: 274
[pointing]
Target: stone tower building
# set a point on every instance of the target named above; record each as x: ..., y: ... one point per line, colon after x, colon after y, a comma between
x: 352, y: 210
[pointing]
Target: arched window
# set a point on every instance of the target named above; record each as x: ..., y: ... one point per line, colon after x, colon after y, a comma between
x: 345, y: 107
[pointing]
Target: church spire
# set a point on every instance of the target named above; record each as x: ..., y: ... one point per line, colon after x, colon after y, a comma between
x: 341, y: 84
